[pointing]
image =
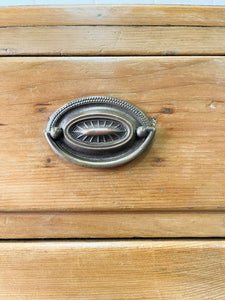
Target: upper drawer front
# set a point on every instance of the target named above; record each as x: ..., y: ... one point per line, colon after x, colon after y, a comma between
x: 164, y: 15
x: 112, y: 40
x: 121, y: 30
x: 183, y: 170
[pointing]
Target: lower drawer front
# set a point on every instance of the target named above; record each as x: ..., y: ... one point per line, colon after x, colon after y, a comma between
x: 152, y: 269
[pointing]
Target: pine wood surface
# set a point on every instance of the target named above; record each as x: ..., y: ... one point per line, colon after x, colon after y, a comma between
x: 150, y: 269
x: 112, y: 40
x: 38, y: 225
x: 176, y: 189
x: 167, y: 15
x: 184, y: 169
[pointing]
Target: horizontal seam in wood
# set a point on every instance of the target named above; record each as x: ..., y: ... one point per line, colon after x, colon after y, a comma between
x: 108, y: 25
x: 112, y: 55
x: 114, y: 239
x: 152, y: 211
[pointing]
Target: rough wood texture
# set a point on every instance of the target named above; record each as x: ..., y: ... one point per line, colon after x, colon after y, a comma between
x: 112, y: 40
x: 111, y: 225
x: 113, y: 270
x: 184, y: 169
x: 112, y: 15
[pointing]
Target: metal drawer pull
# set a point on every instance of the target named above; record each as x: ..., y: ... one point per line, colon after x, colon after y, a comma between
x: 99, y: 131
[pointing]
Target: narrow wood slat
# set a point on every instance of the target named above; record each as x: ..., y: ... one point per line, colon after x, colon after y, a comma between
x: 112, y: 15
x: 111, y: 225
x: 184, y: 169
x: 113, y: 270
x: 112, y: 40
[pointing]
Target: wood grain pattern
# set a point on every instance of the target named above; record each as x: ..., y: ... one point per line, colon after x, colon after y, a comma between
x: 111, y: 225
x: 184, y: 169
x: 112, y: 40
x: 113, y: 270
x: 112, y: 15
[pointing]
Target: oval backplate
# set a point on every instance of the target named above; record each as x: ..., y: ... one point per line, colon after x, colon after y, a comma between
x: 99, y: 131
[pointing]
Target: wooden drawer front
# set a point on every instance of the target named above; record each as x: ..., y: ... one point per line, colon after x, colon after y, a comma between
x: 177, y: 188
x: 112, y: 40
x: 147, y: 30
x: 113, y: 270
x: 184, y: 170
x: 164, y: 15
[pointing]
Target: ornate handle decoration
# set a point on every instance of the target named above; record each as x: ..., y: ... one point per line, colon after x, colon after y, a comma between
x: 99, y: 131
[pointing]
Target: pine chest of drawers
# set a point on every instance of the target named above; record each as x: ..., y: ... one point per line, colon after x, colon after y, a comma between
x: 167, y: 60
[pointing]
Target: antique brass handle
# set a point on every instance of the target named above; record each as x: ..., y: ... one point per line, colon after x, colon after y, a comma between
x: 99, y: 131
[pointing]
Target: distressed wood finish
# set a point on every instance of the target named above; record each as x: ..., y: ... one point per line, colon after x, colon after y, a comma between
x: 112, y: 40
x: 184, y: 169
x: 111, y: 225
x: 113, y: 270
x: 112, y: 15
x: 175, y: 190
